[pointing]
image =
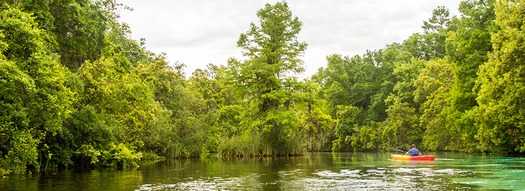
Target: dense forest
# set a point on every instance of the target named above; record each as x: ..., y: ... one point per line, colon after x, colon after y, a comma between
x: 77, y: 91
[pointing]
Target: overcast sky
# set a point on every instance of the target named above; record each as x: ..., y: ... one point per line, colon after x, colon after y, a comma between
x: 199, y: 32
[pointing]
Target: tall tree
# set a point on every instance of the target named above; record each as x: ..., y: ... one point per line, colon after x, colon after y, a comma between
x: 501, y: 80
x: 467, y: 47
x: 273, y: 52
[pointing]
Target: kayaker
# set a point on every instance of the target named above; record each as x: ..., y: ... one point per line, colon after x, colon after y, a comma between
x: 413, y: 151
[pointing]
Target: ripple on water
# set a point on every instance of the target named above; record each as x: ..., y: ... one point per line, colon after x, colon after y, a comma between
x: 342, y: 173
x: 344, y: 179
x: 446, y: 171
x: 376, y: 171
x: 215, y: 183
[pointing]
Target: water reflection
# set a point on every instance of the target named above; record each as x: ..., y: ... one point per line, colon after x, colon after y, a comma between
x: 338, y: 171
x: 315, y: 171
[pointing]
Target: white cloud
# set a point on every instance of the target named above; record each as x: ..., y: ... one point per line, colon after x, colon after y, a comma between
x: 199, y: 32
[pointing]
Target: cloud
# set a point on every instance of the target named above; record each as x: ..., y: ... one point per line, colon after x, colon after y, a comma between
x: 200, y: 32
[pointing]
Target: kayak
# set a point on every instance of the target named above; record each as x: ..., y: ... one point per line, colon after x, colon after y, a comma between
x: 408, y: 157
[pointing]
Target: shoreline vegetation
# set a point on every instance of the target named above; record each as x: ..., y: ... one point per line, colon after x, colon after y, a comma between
x: 76, y: 91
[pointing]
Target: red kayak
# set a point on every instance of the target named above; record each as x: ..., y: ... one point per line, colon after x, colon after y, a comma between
x: 408, y: 157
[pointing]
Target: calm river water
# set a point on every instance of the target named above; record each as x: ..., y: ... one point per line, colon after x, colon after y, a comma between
x: 313, y: 171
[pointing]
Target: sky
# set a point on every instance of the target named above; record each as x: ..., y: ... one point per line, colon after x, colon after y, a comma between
x: 200, y: 32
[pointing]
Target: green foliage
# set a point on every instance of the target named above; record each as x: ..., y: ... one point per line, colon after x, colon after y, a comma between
x: 221, y: 105
x: 89, y: 154
x: 121, y: 156
x: 22, y: 152
x: 180, y: 124
x: 402, y: 128
x: 436, y: 33
x: 368, y: 137
x: 361, y: 89
x: 34, y: 97
x: 240, y: 146
x: 79, y: 27
x: 405, y: 72
x: 468, y: 47
x: 273, y: 52
x: 352, y: 81
x: 432, y: 89
x: 431, y: 43
x: 426, y: 86
x: 16, y: 87
x: 501, y: 84
x: 120, y: 100
x: 457, y: 85
x: 317, y: 126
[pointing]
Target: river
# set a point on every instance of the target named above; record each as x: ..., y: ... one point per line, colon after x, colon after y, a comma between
x: 313, y: 171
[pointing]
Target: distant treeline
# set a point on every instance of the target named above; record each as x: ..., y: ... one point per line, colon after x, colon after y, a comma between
x: 76, y: 91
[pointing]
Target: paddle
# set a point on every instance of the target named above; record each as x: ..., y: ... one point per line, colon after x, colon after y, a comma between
x: 396, y: 149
